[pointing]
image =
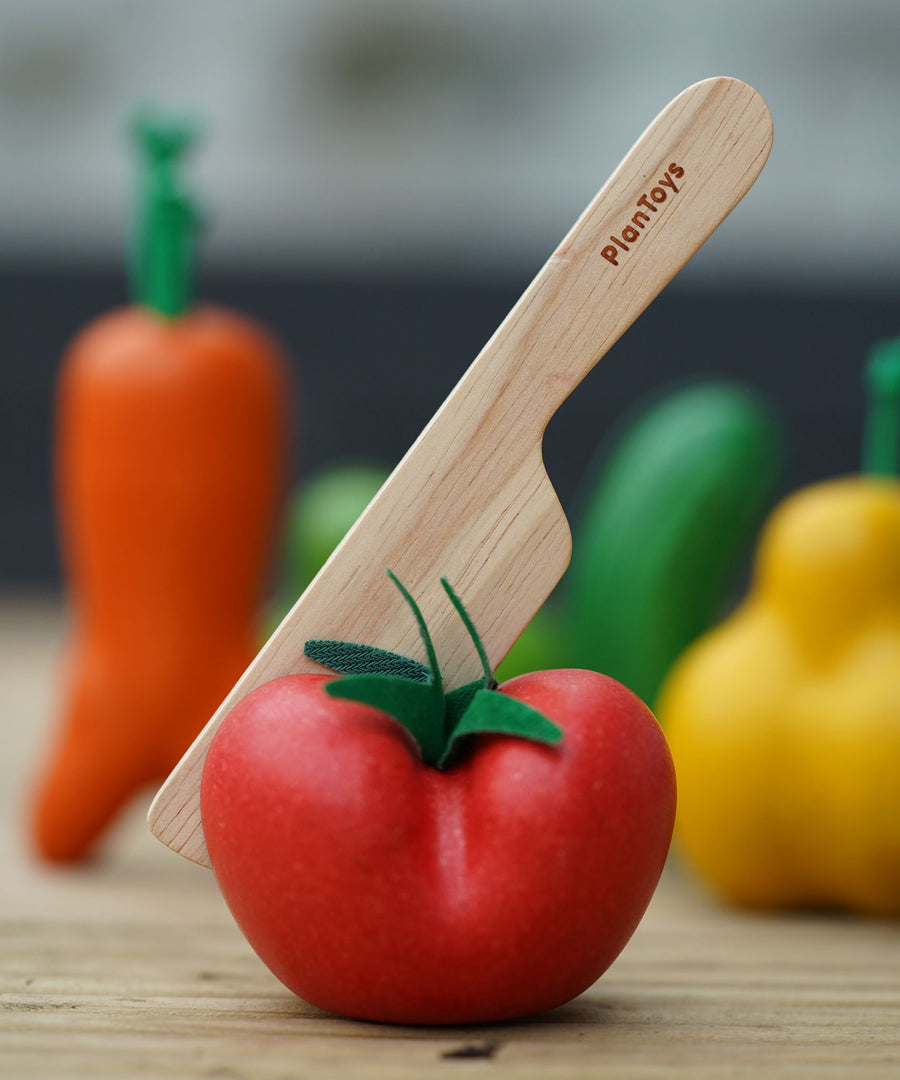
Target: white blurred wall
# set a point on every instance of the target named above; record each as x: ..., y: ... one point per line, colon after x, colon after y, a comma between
x: 448, y: 132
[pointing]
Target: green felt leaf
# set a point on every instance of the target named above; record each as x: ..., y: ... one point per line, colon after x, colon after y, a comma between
x: 456, y: 703
x: 351, y: 658
x: 419, y: 707
x: 413, y: 694
x: 491, y: 711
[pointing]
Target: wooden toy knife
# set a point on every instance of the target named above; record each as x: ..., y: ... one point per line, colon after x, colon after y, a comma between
x: 471, y: 500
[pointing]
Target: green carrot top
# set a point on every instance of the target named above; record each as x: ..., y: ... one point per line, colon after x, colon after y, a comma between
x: 166, y: 218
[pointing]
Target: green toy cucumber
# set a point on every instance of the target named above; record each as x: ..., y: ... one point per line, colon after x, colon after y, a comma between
x: 671, y: 512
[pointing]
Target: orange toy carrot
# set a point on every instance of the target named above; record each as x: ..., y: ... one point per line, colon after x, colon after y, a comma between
x: 171, y: 448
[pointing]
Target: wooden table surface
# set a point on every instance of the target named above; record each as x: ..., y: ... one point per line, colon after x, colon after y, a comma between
x: 133, y: 968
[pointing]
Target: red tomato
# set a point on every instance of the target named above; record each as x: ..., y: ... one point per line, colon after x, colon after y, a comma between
x: 380, y: 888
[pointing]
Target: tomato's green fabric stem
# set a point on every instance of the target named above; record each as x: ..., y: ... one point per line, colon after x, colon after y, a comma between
x: 470, y: 626
x: 414, y: 695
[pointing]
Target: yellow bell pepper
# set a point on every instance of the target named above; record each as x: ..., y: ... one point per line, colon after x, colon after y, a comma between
x: 784, y: 721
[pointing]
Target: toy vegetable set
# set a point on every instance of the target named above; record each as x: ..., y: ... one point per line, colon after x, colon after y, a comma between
x: 401, y: 837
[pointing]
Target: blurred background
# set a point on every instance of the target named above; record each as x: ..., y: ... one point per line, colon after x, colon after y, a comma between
x: 381, y: 178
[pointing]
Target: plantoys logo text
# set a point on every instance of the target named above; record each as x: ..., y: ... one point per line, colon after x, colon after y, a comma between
x: 649, y: 203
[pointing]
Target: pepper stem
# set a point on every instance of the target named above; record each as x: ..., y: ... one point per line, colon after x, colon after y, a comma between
x: 166, y: 218
x: 881, y: 438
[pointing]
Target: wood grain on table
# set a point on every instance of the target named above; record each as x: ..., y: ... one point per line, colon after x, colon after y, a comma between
x: 134, y: 968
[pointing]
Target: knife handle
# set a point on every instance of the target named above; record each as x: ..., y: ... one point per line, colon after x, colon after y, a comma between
x: 683, y: 176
